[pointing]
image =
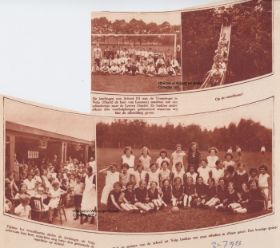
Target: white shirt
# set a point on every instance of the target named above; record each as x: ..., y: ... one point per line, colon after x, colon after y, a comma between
x: 217, y: 174
x: 179, y: 174
x: 111, y: 178
x: 204, y: 173
x: 146, y: 161
x: 164, y: 174
x: 160, y: 160
x: 263, y: 180
x: 211, y: 160
x: 139, y: 176
x: 154, y: 176
x: 194, y: 176
x: 228, y: 163
x: 23, y: 211
x: 177, y: 157
x: 128, y: 160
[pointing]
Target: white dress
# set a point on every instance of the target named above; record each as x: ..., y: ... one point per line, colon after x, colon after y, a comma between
x: 146, y: 161
x: 110, y: 179
x: 211, y: 161
x: 177, y: 157
x: 128, y: 160
x: 55, y: 198
x: 89, y: 201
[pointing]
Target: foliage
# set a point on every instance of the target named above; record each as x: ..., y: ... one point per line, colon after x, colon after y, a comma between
x: 248, y: 134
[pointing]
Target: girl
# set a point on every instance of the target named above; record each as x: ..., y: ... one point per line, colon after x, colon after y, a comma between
x: 54, y: 195
x: 231, y: 200
x: 241, y: 176
x: 178, y: 172
x: 112, y: 176
x: 244, y: 195
x: 218, y: 172
x: 212, y: 198
x: 154, y: 196
x: 189, y: 192
x: 204, y: 171
x: 253, y: 175
x: 128, y: 199
x: 191, y: 173
x: 177, y: 192
x: 264, y: 183
x: 256, y: 200
x: 162, y: 157
x: 200, y: 193
x: 142, y: 200
x: 145, y: 158
x: 230, y: 175
x: 212, y: 157
x: 23, y: 210
x: 178, y: 156
x: 22, y: 192
x: 30, y: 184
x: 140, y: 174
x: 78, y: 195
x: 194, y: 155
x: 164, y: 173
x: 221, y: 191
x: 166, y: 191
x: 153, y: 174
x: 124, y: 175
x: 113, y: 204
x: 228, y: 160
x: 128, y: 158
x: 12, y: 188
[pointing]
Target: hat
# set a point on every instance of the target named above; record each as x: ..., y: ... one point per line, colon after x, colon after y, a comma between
x: 213, y: 148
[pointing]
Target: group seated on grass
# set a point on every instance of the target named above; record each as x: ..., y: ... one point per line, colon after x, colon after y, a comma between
x: 43, y: 192
x: 135, y: 62
x: 202, y: 183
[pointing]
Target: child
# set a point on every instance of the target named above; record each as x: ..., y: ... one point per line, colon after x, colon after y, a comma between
x: 244, y: 195
x: 145, y: 158
x: 166, y: 191
x: 162, y: 157
x: 204, y: 171
x: 231, y: 200
x: 128, y: 158
x: 12, y: 188
x: 78, y: 195
x: 128, y: 199
x: 212, y: 198
x: 241, y: 176
x: 54, y: 195
x: 218, y: 172
x: 23, y: 210
x: 230, y: 175
x: 30, y: 184
x: 112, y: 176
x: 264, y: 184
x: 177, y: 192
x: 164, y: 172
x: 200, y: 192
x: 256, y: 200
x: 140, y: 174
x: 194, y: 156
x: 189, y: 192
x: 177, y: 156
x: 22, y: 192
x: 113, y: 202
x: 124, y: 175
x: 191, y: 173
x: 228, y: 159
x: 142, y: 200
x: 253, y: 175
x: 178, y: 172
x: 221, y: 191
x: 154, y: 196
x: 212, y: 157
x: 153, y: 174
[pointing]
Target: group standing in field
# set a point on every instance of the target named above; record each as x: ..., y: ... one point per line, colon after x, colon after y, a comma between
x: 134, y: 61
x: 186, y: 180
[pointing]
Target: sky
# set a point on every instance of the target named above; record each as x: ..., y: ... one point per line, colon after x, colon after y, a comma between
x: 261, y: 111
x: 45, y: 46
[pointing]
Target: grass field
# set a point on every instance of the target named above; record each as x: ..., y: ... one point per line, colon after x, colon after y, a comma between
x: 132, y: 84
x: 165, y: 220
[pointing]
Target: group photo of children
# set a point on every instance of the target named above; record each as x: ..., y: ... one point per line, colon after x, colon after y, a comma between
x: 50, y: 170
x: 171, y: 189
x: 129, y: 49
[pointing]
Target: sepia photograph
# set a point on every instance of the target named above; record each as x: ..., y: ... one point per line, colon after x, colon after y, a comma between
x: 226, y: 44
x: 50, y: 169
x: 184, y: 173
x: 136, y: 52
